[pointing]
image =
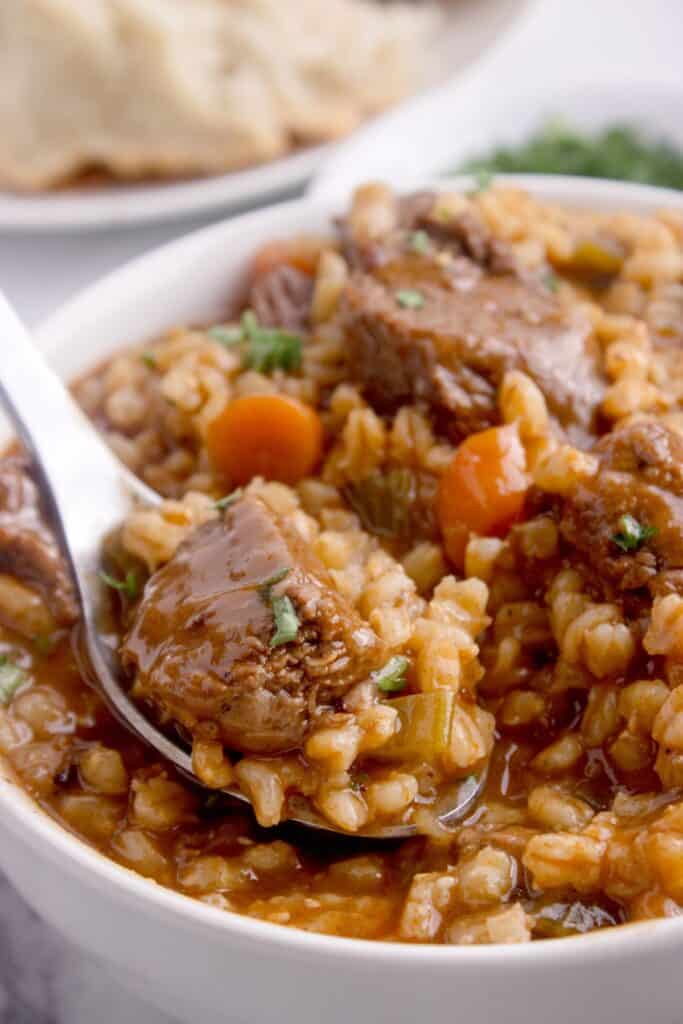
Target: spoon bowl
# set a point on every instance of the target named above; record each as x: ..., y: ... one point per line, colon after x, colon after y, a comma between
x: 68, y: 457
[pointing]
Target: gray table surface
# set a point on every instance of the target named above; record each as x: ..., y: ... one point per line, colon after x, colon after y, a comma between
x: 43, y: 980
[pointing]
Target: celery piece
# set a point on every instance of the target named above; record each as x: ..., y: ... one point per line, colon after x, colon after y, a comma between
x: 597, y: 255
x: 425, y: 726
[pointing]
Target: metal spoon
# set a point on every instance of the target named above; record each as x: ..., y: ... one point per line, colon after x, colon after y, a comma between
x: 87, y: 494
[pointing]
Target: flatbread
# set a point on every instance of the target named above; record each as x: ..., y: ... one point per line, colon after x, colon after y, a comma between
x: 142, y: 88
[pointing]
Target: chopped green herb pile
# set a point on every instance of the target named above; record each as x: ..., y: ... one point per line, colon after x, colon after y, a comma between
x: 11, y: 678
x: 392, y: 678
x: 228, y: 500
x: 631, y: 534
x: 129, y: 586
x: 284, y: 614
x: 410, y: 299
x: 267, y: 348
x: 621, y: 152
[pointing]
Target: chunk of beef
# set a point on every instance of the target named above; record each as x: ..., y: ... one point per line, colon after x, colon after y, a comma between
x: 28, y: 550
x: 473, y: 324
x: 200, y: 640
x: 467, y: 235
x: 640, y: 474
x: 281, y: 297
x: 463, y: 235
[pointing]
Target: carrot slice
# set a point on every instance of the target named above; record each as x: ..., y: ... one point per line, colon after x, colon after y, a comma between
x: 483, y: 489
x: 272, y: 436
x: 302, y: 253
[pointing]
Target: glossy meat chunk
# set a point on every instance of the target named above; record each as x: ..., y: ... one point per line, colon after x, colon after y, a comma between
x: 444, y: 326
x: 201, y: 639
x: 28, y: 551
x: 281, y: 298
x: 640, y: 474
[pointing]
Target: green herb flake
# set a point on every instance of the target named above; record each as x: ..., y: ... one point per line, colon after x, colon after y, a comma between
x: 284, y: 614
x: 228, y: 500
x: 45, y: 643
x: 392, y: 678
x: 227, y: 334
x: 359, y: 781
x: 250, y: 324
x: 408, y: 298
x: 269, y: 348
x: 11, y: 678
x: 277, y: 577
x: 418, y: 241
x: 631, y: 534
x: 552, y: 282
x: 129, y: 587
x: 215, y: 803
x: 149, y: 359
x: 286, y: 621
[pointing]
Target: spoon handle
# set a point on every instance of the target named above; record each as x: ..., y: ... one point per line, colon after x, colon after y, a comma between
x: 85, y: 485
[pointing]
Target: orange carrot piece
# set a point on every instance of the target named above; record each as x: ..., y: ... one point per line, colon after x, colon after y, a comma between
x: 272, y: 436
x: 483, y: 489
x: 302, y: 253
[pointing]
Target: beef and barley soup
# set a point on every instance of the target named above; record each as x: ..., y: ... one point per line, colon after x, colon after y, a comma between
x: 422, y: 520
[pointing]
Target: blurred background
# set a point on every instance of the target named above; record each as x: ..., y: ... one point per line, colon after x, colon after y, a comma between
x: 125, y: 123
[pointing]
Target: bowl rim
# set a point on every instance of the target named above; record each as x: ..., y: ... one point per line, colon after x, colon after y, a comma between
x: 380, y: 145
x: 94, y: 869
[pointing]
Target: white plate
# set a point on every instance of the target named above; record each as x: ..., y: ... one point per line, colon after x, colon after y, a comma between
x: 473, y: 27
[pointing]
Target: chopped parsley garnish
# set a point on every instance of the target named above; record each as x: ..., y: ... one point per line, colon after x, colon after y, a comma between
x: 632, y: 535
x: 359, y: 781
x: 45, y: 643
x: 267, y: 348
x: 419, y: 241
x: 408, y: 298
x: 277, y: 577
x: 11, y: 678
x: 228, y: 500
x: 227, y: 334
x: 130, y: 586
x: 149, y: 359
x: 392, y: 678
x: 624, y: 152
x: 284, y: 614
x: 286, y: 621
x: 552, y: 282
